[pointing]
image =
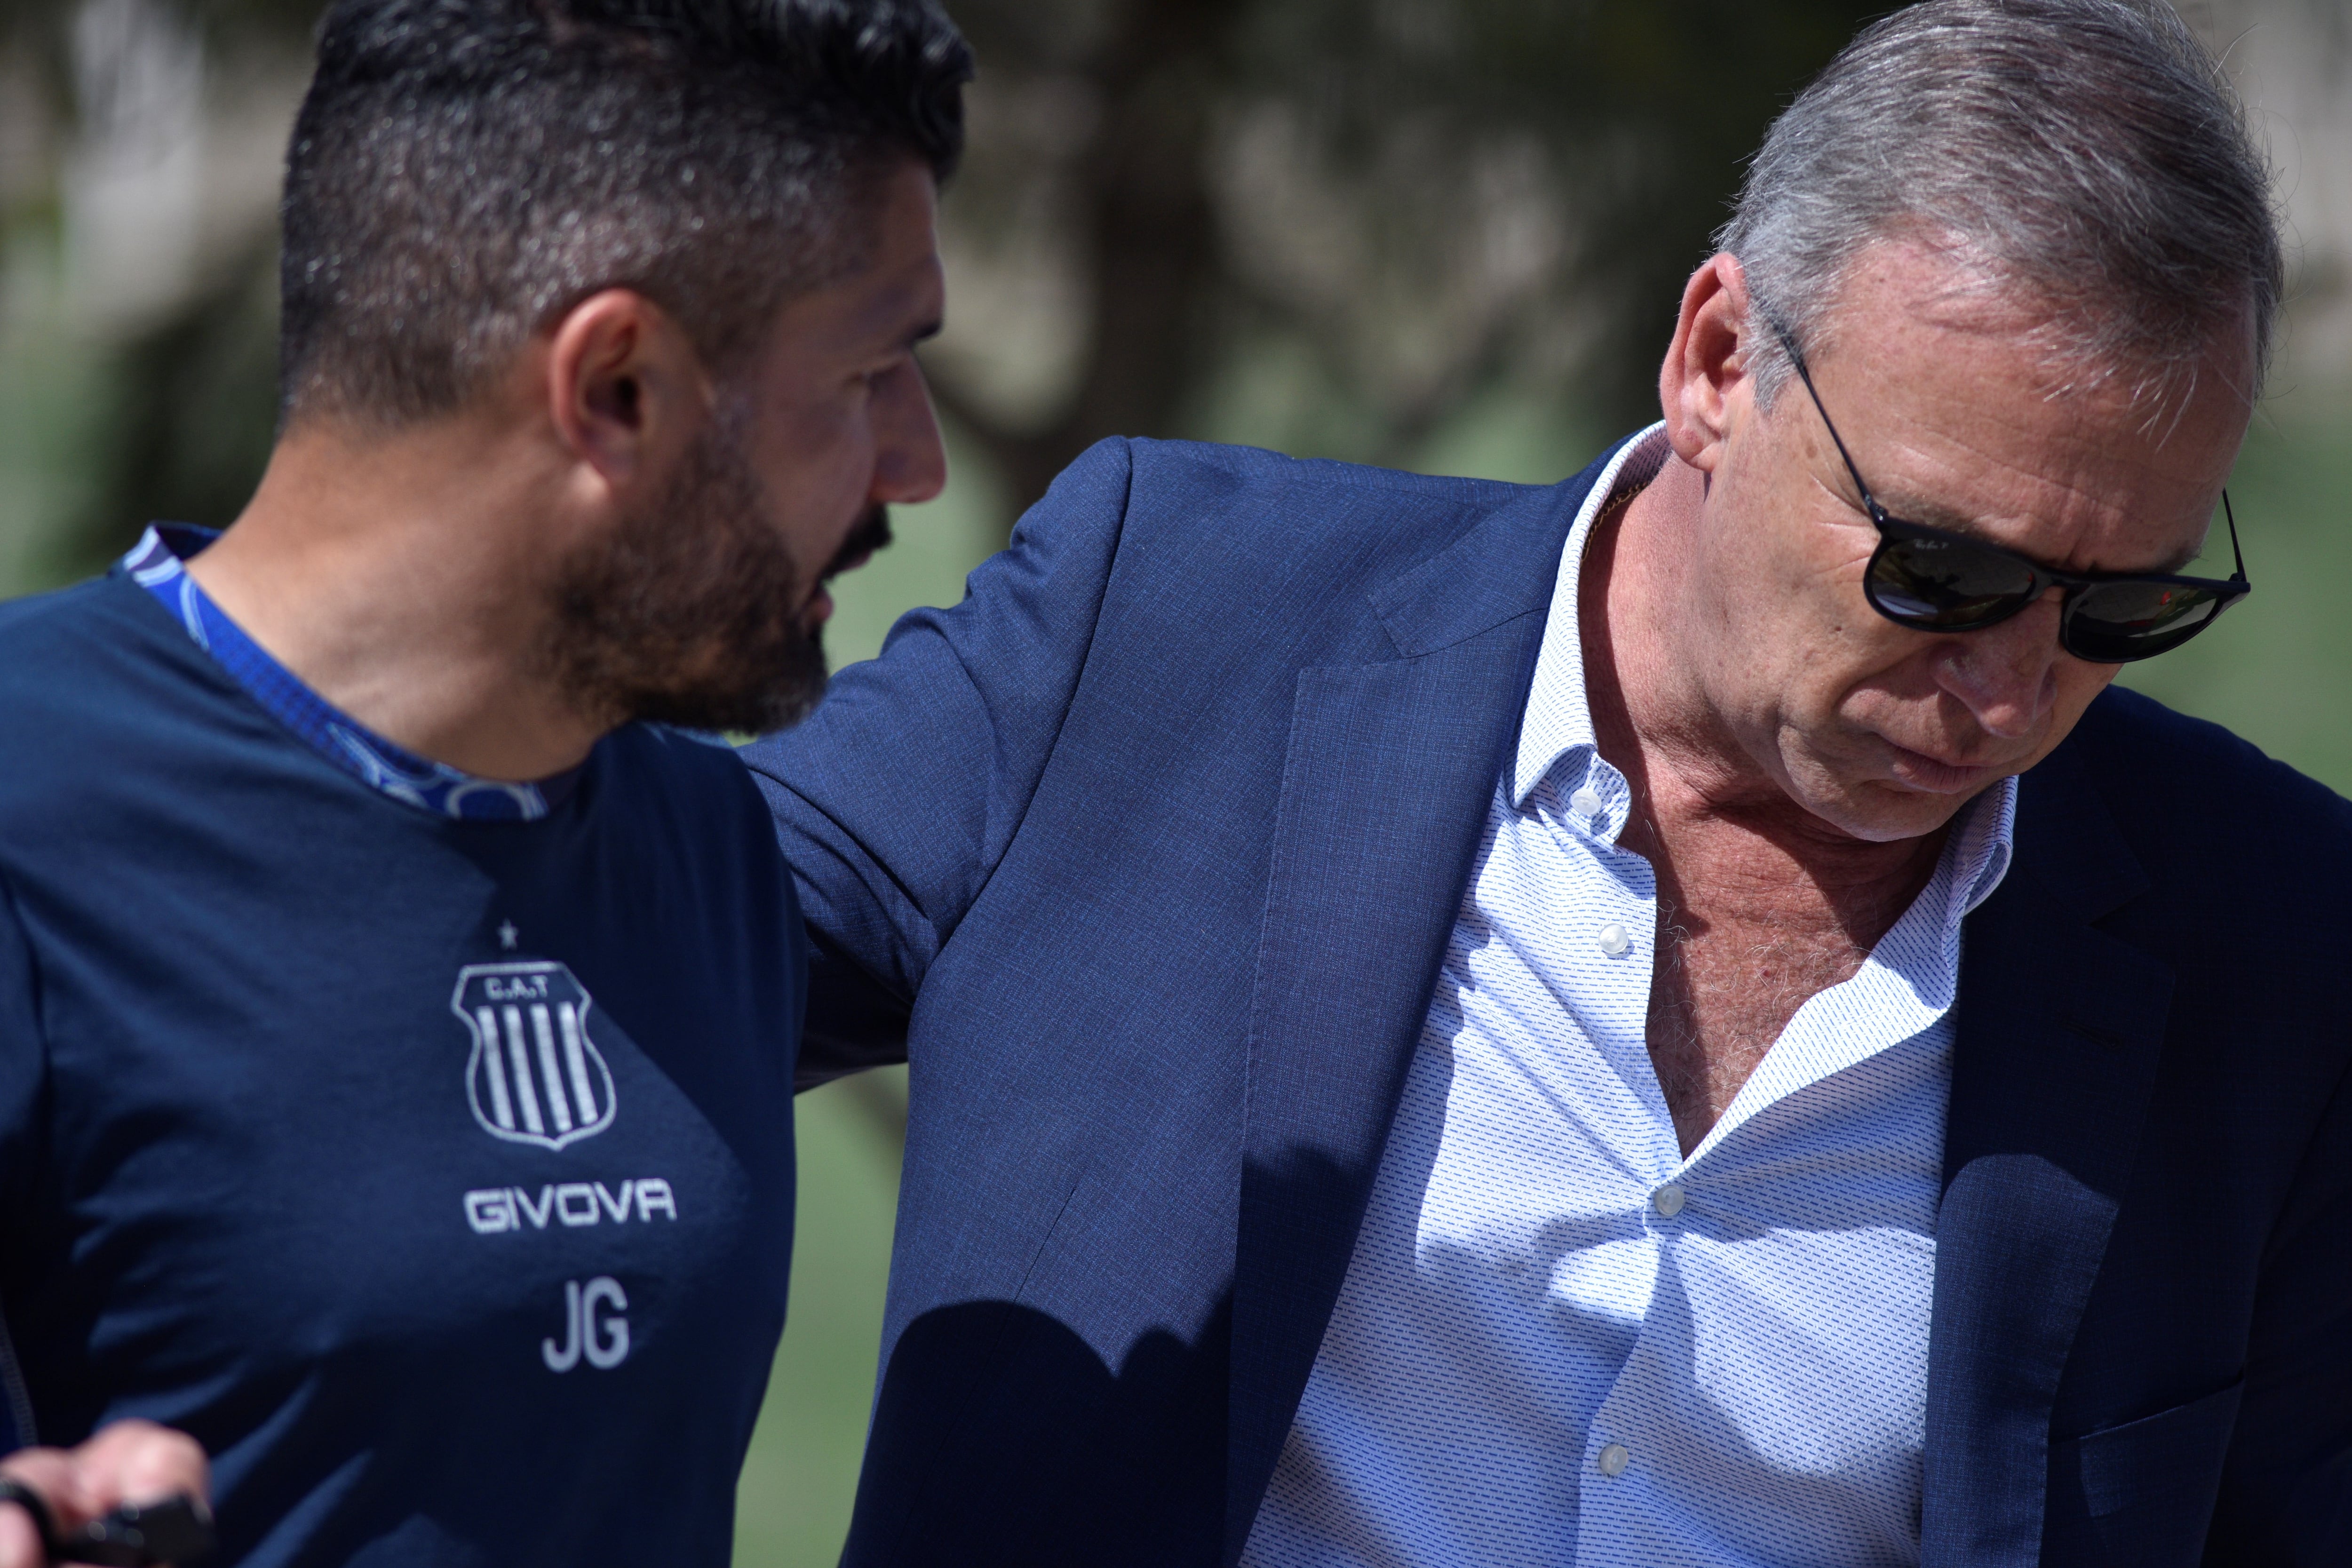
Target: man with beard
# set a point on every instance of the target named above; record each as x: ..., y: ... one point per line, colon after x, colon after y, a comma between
x: 398, y: 1013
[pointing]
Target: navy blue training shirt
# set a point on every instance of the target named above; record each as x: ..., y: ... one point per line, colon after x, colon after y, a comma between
x: 434, y: 1173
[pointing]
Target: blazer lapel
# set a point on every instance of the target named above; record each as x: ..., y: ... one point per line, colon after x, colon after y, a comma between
x: 1386, y: 784
x: 2060, y: 1027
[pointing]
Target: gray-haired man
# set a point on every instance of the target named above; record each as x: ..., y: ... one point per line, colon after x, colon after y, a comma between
x: 1672, y: 1020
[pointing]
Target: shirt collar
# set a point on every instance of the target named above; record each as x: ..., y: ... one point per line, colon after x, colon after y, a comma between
x: 157, y: 563
x: 1559, y: 719
x: 1982, y: 848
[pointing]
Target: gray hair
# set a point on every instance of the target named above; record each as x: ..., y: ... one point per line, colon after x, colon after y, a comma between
x: 2085, y: 157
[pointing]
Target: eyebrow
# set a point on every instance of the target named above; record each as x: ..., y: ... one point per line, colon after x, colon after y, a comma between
x: 1935, y: 515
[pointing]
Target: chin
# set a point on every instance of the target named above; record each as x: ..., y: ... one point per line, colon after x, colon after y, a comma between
x: 1879, y: 810
x: 1884, y: 812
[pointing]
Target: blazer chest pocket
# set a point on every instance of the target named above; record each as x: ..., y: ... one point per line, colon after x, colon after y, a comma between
x: 2148, y: 1485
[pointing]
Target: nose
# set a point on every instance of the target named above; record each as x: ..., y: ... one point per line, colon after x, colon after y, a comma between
x: 910, y: 464
x: 2006, y: 675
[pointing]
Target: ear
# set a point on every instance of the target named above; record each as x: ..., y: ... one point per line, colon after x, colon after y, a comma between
x: 624, y: 389
x: 1703, y: 385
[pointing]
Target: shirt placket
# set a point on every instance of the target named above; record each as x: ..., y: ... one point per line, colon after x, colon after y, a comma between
x: 1613, y: 948
x: 1626, y: 1499
x: 1627, y: 1447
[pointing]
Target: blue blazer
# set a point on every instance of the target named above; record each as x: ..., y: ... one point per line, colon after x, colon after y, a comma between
x: 1145, y: 856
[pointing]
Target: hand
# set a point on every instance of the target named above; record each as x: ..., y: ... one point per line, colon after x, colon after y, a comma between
x: 127, y: 1462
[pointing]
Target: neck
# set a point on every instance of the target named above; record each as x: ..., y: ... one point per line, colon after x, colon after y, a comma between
x: 1712, y: 819
x: 400, y: 576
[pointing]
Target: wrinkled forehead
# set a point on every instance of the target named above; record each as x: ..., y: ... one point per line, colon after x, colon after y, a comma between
x: 1967, y: 408
x: 2062, y: 340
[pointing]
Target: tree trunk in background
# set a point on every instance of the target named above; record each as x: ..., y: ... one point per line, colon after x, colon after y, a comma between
x: 1147, y: 228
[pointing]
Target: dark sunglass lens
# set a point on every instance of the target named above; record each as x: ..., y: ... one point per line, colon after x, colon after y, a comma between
x: 2115, y: 623
x: 1946, y: 584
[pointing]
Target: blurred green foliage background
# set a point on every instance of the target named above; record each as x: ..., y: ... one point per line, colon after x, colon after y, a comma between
x: 1445, y: 234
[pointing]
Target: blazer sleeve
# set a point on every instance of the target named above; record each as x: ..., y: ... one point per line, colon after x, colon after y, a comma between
x: 2286, y: 1486
x: 897, y: 799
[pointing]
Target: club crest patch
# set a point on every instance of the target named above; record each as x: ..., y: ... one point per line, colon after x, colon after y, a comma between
x: 535, y: 1076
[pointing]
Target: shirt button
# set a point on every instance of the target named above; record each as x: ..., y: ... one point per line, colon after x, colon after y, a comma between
x: 1667, y: 1201
x: 1614, y: 1458
x: 1585, y: 802
x: 1613, y: 940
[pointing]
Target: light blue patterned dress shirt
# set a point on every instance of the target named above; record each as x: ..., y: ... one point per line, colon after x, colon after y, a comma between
x: 1561, y: 1342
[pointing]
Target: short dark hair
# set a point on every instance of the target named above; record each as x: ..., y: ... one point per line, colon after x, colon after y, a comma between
x: 464, y: 171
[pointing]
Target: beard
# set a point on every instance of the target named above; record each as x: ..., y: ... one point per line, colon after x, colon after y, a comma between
x: 690, y: 612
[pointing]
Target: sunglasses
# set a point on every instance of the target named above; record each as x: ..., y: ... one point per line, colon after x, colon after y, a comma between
x: 1933, y: 580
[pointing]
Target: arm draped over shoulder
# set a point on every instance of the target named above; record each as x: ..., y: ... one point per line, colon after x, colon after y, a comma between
x: 895, y: 802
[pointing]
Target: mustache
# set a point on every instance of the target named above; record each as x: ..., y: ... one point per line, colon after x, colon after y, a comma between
x: 871, y: 534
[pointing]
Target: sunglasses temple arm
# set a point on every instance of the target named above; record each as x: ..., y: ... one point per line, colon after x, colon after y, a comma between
x: 2231, y: 518
x: 1797, y: 359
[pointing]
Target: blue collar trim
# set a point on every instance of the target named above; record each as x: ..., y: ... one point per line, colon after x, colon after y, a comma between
x: 157, y: 563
